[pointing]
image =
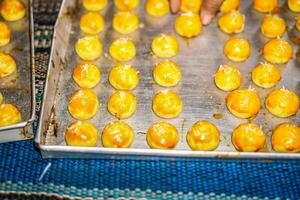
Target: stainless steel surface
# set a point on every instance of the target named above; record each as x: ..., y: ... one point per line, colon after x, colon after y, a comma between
x: 18, y: 88
x: 198, y: 58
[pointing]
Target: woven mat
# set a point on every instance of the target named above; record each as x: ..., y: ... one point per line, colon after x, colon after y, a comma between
x: 25, y: 175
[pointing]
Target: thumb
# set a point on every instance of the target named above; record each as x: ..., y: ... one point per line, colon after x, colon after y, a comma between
x: 209, y: 10
x: 175, y: 5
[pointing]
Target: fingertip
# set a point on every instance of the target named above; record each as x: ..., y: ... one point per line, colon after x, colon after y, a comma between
x: 175, y: 6
x: 206, y: 18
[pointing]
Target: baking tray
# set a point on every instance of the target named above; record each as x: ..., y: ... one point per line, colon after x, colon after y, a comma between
x: 199, y: 58
x: 18, y: 88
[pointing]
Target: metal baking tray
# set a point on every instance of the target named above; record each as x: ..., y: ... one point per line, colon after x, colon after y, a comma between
x: 18, y: 88
x: 198, y: 58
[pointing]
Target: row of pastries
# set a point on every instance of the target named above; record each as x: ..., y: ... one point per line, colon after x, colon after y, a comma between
x: 245, y: 102
x: 10, y: 11
x: 203, y: 135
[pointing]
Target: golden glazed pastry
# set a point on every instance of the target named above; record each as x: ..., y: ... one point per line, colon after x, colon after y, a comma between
x: 162, y: 135
x: 298, y: 23
x: 265, y: 5
x: 165, y: 46
x: 89, y: 47
x: 273, y: 26
x: 5, y: 34
x: 294, y: 5
x: 157, y: 8
x: 117, y: 135
x: 9, y: 114
x: 248, y: 137
x: 188, y: 24
x: 167, y: 104
x: 229, y: 5
x: 126, y: 4
x: 83, y: 104
x: 167, y: 73
x: 266, y: 75
x: 203, y: 136
x: 122, y: 49
x: 7, y: 65
x: 122, y: 104
x: 278, y: 51
x: 125, y: 22
x: 92, y: 23
x: 124, y: 77
x: 12, y: 10
x: 282, y: 102
x: 87, y: 75
x: 190, y: 6
x: 228, y: 78
x: 286, y: 138
x: 237, y: 49
x: 232, y: 22
x: 94, y: 5
x: 81, y: 133
x: 243, y: 103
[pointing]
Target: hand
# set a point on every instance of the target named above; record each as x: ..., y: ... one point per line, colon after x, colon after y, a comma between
x: 208, y: 10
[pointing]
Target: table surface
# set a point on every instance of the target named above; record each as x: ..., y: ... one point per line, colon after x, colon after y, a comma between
x: 25, y: 175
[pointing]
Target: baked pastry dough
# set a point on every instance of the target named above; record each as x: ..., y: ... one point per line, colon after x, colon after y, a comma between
x: 286, y: 138
x: 273, y: 26
x: 81, y: 133
x: 126, y: 4
x: 9, y: 114
x: 229, y: 5
x: 265, y: 5
x: 266, y: 75
x: 162, y: 135
x: 232, y: 22
x: 228, y: 78
x: 122, y: 49
x: 243, y: 103
x: 278, y: 51
x: 83, y: 104
x: 122, y: 104
x: 237, y: 49
x: 188, y: 24
x: 124, y: 77
x: 7, y: 65
x: 117, y: 134
x: 5, y: 34
x: 203, y: 136
x: 248, y: 137
x: 125, y: 22
x: 89, y: 47
x: 87, y: 74
x: 294, y: 5
x: 282, y: 102
x: 157, y: 8
x: 94, y: 5
x: 92, y: 23
x: 167, y: 73
x: 190, y: 6
x: 165, y: 46
x: 167, y: 104
x: 12, y: 10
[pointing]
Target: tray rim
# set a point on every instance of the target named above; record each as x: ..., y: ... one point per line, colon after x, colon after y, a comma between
x: 32, y: 68
x: 50, y: 151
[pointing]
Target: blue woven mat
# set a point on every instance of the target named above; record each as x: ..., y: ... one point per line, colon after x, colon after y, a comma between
x: 23, y: 170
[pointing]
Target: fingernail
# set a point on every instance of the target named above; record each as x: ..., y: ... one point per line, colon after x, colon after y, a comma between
x: 206, y: 19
